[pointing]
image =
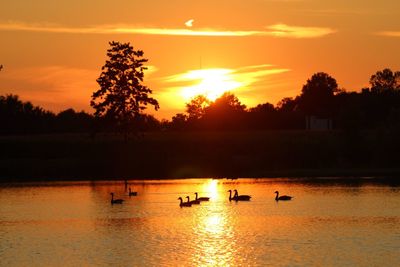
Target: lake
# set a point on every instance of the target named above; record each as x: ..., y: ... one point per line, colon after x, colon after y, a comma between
x: 329, y: 222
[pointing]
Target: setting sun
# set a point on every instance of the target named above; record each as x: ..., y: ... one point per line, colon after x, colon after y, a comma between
x: 212, y: 83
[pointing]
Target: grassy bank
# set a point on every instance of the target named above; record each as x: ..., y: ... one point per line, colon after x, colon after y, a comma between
x: 208, y: 154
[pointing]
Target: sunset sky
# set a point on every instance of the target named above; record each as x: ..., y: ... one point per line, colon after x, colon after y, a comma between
x: 261, y: 50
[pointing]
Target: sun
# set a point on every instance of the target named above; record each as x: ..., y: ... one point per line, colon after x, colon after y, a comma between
x: 211, y: 83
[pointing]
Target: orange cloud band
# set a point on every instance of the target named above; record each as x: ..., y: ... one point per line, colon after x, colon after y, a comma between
x: 276, y: 30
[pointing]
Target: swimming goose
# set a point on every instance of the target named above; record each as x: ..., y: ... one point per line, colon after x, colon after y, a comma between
x: 282, y: 197
x: 196, y: 202
x: 238, y: 197
x: 184, y: 204
x: 132, y: 193
x: 201, y: 198
x: 115, y: 201
x: 230, y: 195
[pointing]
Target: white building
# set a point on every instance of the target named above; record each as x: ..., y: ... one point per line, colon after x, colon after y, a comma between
x: 315, y: 123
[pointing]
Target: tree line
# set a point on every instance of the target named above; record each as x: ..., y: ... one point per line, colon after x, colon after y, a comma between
x: 375, y: 107
x: 121, y: 100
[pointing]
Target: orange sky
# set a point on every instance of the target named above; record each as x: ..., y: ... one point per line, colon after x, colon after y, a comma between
x: 261, y: 50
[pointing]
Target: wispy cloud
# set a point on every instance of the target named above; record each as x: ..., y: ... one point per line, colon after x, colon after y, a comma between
x: 283, y: 30
x: 389, y: 33
x: 277, y: 30
x: 214, y: 82
x: 53, y: 87
x: 335, y: 12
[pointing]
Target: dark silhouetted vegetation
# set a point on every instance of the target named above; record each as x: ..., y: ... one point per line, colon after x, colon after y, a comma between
x: 18, y: 117
x: 373, y: 108
x: 122, y: 97
x: 211, y: 138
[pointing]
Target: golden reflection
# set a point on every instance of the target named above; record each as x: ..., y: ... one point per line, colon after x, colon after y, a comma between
x: 214, y: 224
x: 213, y: 229
x: 212, y: 188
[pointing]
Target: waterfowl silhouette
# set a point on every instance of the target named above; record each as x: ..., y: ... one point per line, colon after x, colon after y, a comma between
x: 230, y: 195
x: 184, y: 204
x: 282, y: 197
x: 132, y: 193
x: 115, y: 201
x: 201, y: 198
x: 196, y: 202
x: 238, y: 197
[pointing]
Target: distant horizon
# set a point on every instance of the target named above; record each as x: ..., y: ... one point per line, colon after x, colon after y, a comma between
x: 150, y: 111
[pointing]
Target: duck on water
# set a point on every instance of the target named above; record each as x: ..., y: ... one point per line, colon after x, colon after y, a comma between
x: 238, y: 197
x: 284, y: 197
x: 115, y: 201
x: 131, y: 193
x: 196, y: 202
x: 184, y: 204
x: 201, y: 198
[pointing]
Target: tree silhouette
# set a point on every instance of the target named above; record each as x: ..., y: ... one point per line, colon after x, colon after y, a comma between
x: 178, y: 122
x: 17, y: 116
x: 263, y: 116
x: 385, y: 80
x: 196, y: 107
x: 227, y: 102
x: 225, y: 113
x: 122, y: 97
x: 287, y: 104
x: 317, y: 95
x: 381, y: 103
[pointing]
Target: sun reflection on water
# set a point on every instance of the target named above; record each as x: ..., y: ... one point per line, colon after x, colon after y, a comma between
x: 212, y: 188
x: 331, y: 224
x: 213, y: 231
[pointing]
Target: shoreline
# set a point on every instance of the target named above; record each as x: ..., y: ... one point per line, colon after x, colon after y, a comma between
x: 197, y: 155
x: 348, y: 174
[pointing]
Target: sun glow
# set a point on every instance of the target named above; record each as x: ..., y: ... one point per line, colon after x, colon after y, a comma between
x: 244, y: 82
x: 212, y: 83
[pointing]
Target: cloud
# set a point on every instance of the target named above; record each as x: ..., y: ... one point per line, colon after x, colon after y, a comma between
x: 335, y: 12
x: 283, y: 30
x: 252, y: 74
x: 214, y: 82
x: 52, y: 81
x: 189, y: 23
x: 389, y: 33
x: 277, y: 30
x: 54, y: 87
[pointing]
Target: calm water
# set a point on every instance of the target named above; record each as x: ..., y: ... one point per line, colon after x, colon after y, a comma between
x: 328, y: 223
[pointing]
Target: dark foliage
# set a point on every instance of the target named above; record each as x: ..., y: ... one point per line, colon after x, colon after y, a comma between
x: 22, y: 117
x: 375, y: 108
x: 122, y: 97
x: 18, y: 117
x: 317, y: 95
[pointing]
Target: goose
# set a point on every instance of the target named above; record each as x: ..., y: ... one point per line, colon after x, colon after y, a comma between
x: 132, y: 193
x: 230, y: 195
x: 196, y: 202
x: 238, y: 197
x: 184, y: 204
x: 282, y: 197
x: 201, y: 198
x: 115, y: 201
